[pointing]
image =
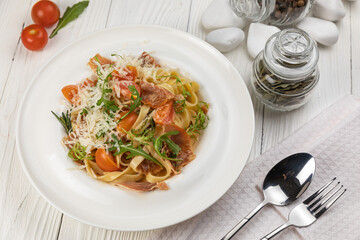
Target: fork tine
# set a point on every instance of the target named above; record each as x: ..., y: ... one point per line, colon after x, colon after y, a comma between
x: 323, y: 195
x: 325, y: 200
x: 317, y: 215
x: 312, y: 197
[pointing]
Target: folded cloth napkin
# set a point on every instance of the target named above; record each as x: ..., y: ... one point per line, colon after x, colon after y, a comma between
x: 333, y: 138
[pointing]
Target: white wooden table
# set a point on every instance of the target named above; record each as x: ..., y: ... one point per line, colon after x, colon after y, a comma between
x: 24, y: 214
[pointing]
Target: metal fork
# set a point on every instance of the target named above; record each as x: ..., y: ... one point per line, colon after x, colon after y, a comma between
x: 311, y: 209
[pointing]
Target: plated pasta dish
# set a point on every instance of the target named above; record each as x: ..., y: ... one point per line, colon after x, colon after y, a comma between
x: 133, y: 123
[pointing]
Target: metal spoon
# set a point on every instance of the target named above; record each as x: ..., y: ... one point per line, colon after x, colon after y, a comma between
x: 284, y: 183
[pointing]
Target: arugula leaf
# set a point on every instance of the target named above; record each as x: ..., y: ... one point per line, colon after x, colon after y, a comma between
x: 175, y: 149
x: 98, y: 67
x: 65, y: 120
x: 135, y: 101
x: 120, y: 148
x: 144, y: 137
x: 201, y: 121
x: 70, y: 14
x: 185, y: 94
x: 108, y: 104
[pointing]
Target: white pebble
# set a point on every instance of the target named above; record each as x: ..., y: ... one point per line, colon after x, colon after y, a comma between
x: 226, y: 39
x: 322, y: 31
x: 257, y: 37
x: 219, y: 15
x: 332, y: 10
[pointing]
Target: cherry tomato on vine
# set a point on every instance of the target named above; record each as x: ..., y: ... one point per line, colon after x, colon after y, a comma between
x: 34, y: 37
x: 45, y: 13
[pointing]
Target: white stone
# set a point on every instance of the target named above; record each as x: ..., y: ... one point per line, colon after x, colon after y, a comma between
x: 226, y: 39
x: 322, y: 31
x: 332, y: 10
x: 257, y: 37
x: 219, y: 15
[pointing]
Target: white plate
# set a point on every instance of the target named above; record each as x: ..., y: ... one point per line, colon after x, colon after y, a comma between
x: 221, y: 154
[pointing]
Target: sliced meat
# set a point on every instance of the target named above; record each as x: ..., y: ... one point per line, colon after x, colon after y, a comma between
x: 147, y: 59
x: 102, y: 60
x: 184, y: 141
x: 165, y: 114
x: 155, y: 96
x: 147, y: 166
x: 143, y: 186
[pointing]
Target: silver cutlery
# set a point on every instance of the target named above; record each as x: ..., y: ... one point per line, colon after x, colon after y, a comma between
x: 312, y: 208
x: 284, y: 183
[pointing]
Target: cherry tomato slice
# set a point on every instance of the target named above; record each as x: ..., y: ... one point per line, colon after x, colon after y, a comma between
x: 165, y: 114
x: 126, y: 124
x: 34, y: 37
x: 129, y: 74
x: 69, y: 92
x: 124, y: 91
x: 88, y: 82
x: 45, y: 13
x: 105, y: 161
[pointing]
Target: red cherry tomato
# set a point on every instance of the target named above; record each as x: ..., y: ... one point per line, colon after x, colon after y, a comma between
x: 34, y: 37
x: 124, y: 91
x: 45, y: 13
x: 128, y: 121
x: 69, y: 92
x: 165, y: 114
x: 105, y: 161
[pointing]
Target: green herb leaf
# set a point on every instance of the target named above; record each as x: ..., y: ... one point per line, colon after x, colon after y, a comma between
x: 108, y: 104
x: 144, y: 137
x: 84, y: 111
x: 135, y: 101
x: 78, y: 153
x: 201, y: 121
x: 70, y: 14
x: 174, y: 148
x: 65, y: 120
x: 122, y: 148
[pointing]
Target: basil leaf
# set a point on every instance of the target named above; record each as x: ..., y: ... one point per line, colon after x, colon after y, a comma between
x: 70, y: 15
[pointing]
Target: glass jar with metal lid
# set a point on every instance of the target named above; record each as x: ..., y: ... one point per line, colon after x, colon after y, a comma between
x: 285, y: 73
x: 274, y: 12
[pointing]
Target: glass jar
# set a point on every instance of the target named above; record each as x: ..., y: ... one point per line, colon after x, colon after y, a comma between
x: 285, y: 73
x: 274, y: 12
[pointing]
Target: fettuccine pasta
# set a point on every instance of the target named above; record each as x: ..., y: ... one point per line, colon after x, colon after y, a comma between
x: 133, y: 123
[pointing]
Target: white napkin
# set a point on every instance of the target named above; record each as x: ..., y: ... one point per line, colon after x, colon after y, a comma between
x: 333, y: 138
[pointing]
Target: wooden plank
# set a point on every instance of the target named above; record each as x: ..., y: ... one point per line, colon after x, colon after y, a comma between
x: 355, y: 47
x: 172, y: 14
x: 334, y: 84
x: 24, y: 214
x: 166, y: 13
x: 10, y: 29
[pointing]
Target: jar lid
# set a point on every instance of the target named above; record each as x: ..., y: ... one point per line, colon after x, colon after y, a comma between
x: 291, y: 54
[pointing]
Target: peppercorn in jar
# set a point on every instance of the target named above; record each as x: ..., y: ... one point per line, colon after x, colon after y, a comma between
x: 274, y: 12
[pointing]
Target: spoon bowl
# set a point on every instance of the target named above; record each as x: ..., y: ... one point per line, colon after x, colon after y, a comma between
x: 284, y: 183
x: 288, y: 179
